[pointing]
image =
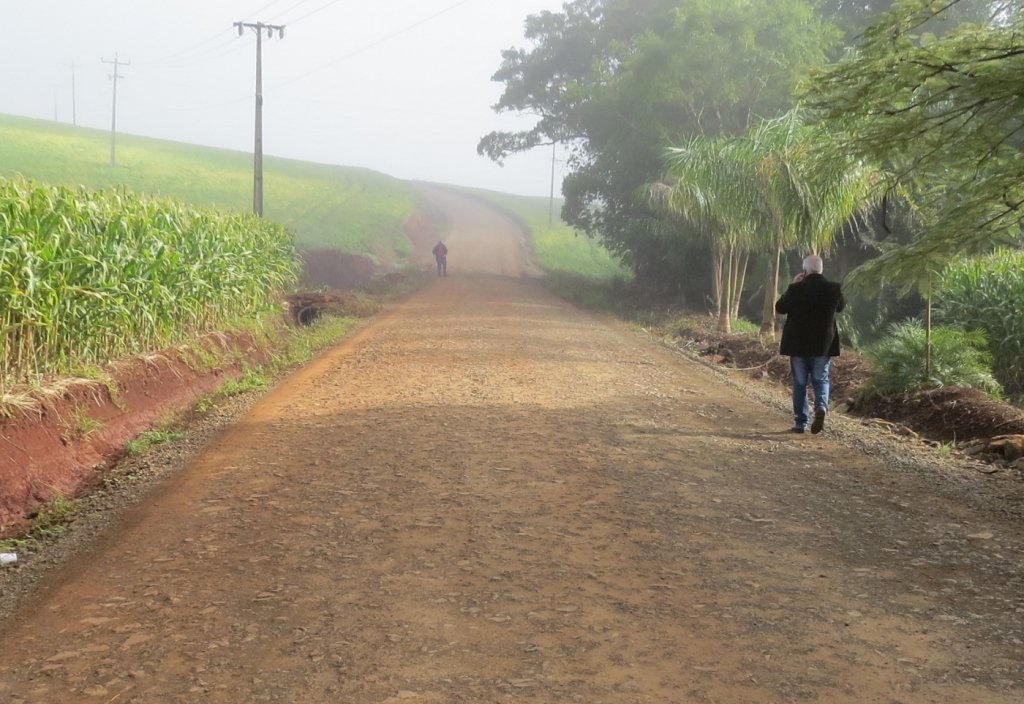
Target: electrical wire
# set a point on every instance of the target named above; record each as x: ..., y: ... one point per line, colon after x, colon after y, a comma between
x: 277, y: 17
x: 170, y: 58
x: 263, y: 7
x: 373, y: 44
x: 312, y: 12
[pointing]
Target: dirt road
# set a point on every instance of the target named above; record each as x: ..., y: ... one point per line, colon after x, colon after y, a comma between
x: 488, y: 496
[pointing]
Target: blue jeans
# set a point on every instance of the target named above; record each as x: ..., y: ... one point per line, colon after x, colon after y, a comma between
x: 815, y: 370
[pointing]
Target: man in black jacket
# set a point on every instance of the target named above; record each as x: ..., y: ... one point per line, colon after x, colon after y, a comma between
x: 810, y: 338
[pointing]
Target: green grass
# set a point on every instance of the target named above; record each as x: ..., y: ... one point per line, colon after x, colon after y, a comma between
x: 353, y: 210
x: 559, y: 248
x: 251, y: 380
x: 150, y: 438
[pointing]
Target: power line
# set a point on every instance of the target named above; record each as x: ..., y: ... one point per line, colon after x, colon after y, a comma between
x: 375, y: 43
x: 300, y: 3
x: 263, y: 7
x: 312, y: 12
x: 196, y: 46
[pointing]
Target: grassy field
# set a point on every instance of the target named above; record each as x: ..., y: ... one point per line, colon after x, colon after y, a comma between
x: 558, y: 247
x: 353, y: 210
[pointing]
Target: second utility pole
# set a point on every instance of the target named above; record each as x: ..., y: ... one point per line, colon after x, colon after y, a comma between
x: 113, y: 115
x: 257, y: 184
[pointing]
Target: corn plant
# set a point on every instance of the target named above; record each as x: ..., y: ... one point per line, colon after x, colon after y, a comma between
x: 89, y: 277
x: 988, y: 294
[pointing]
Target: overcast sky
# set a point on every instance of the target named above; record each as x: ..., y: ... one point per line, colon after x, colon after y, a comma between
x: 398, y: 86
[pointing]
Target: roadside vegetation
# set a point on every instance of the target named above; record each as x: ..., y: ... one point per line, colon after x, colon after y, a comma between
x: 714, y: 144
x: 356, y: 211
x: 93, y: 276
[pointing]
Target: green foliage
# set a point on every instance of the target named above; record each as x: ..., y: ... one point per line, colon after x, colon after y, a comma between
x: 53, y: 516
x: 251, y: 380
x: 349, y: 209
x: 618, y: 79
x: 854, y: 16
x: 772, y: 189
x: 945, y: 113
x: 745, y: 327
x: 988, y: 294
x: 83, y: 425
x: 958, y: 358
x: 88, y: 277
x: 150, y: 438
x: 298, y: 346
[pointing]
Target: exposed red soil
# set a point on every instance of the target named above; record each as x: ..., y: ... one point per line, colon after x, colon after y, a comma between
x: 949, y: 415
x: 334, y: 269
x: 63, y: 444
x: 52, y: 449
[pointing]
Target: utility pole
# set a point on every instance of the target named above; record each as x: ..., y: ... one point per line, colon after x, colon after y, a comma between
x: 551, y: 201
x: 257, y: 183
x: 113, y: 113
x: 74, y: 112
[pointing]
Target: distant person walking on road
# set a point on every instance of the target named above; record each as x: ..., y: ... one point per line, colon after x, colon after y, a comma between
x: 810, y: 338
x: 440, y: 253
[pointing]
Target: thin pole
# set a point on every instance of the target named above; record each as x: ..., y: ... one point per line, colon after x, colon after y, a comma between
x: 551, y: 201
x: 113, y: 112
x: 257, y: 161
x: 74, y: 111
x: 257, y: 179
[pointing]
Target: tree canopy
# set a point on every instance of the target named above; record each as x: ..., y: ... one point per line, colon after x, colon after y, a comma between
x: 617, y: 80
x: 944, y: 113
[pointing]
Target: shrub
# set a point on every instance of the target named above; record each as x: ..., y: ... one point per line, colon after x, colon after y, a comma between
x: 988, y: 293
x: 958, y: 358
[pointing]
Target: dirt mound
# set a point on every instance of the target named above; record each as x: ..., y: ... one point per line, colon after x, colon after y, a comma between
x: 762, y: 360
x: 948, y: 414
x: 335, y: 269
x: 943, y: 415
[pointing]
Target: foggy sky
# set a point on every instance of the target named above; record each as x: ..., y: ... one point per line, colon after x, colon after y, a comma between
x: 398, y: 86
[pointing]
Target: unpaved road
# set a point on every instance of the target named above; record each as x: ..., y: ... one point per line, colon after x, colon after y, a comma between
x: 490, y: 496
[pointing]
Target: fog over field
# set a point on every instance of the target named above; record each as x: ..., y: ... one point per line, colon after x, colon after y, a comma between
x: 399, y: 86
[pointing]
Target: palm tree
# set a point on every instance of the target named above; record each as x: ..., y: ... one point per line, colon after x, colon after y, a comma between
x: 780, y: 186
x: 704, y: 175
x: 809, y: 192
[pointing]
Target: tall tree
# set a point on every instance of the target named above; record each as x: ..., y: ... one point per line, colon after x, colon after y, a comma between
x: 775, y: 188
x: 619, y: 79
x: 855, y: 16
x: 946, y: 114
x: 712, y: 184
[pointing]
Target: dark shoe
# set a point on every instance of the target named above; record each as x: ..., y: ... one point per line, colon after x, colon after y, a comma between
x: 797, y: 429
x: 819, y: 421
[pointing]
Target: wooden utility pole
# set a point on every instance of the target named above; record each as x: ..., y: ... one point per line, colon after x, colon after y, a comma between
x: 113, y: 113
x: 74, y: 111
x: 257, y: 183
x: 551, y: 201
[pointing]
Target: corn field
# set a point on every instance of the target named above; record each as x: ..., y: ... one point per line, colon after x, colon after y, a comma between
x: 90, y: 277
x: 988, y: 294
